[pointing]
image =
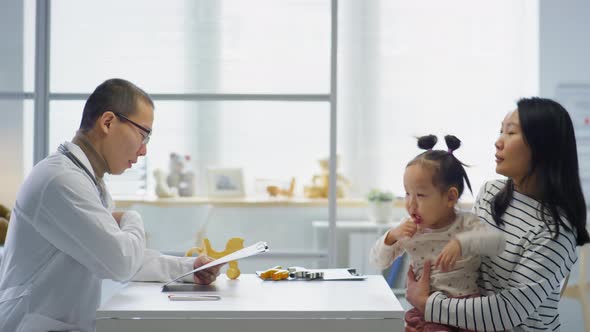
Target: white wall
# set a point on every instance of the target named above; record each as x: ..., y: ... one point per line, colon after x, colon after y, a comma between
x: 564, y: 44
x: 11, y: 111
x: 565, y: 58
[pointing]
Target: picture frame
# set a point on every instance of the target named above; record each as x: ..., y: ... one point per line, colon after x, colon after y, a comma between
x: 225, y: 182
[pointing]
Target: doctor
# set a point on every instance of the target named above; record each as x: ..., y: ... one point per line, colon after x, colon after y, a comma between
x: 64, y: 237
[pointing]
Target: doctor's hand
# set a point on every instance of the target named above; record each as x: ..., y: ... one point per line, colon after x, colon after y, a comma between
x: 207, y: 276
x: 118, y: 215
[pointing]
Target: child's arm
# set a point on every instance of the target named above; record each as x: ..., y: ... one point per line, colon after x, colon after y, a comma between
x: 387, y: 248
x: 478, y: 239
x: 449, y: 255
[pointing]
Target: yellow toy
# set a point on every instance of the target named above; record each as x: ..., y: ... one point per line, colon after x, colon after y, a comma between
x: 268, y: 274
x: 319, y: 182
x: 274, y: 191
x: 280, y: 275
x: 234, y: 244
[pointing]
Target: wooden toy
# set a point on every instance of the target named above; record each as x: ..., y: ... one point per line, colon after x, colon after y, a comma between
x: 234, y: 244
x: 274, y: 191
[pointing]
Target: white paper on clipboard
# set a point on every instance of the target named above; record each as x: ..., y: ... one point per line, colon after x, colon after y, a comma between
x: 252, y: 250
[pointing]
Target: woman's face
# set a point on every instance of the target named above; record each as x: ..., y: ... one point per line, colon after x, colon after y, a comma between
x: 513, y: 155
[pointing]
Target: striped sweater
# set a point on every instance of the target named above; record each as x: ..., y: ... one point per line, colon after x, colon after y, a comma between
x: 520, y: 287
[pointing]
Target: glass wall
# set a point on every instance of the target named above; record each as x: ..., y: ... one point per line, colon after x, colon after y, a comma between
x: 453, y: 67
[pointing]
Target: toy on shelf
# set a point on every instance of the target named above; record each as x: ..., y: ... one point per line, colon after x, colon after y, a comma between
x: 274, y: 191
x: 178, y: 182
x: 162, y: 189
x: 234, y: 244
x: 320, y: 182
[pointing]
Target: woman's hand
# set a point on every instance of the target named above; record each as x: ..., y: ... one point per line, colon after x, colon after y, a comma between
x: 419, y: 290
x: 207, y: 276
x: 449, y: 255
x: 407, y: 229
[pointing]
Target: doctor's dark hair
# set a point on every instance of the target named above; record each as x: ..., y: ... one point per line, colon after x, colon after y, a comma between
x: 549, y: 133
x: 448, y: 171
x: 116, y: 95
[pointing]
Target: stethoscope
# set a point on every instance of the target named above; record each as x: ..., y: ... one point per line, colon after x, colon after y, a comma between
x: 66, y: 152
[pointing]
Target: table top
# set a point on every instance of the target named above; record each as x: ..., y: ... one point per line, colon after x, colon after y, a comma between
x: 251, y: 297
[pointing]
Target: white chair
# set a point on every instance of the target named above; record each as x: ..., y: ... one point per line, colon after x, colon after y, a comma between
x: 580, y: 290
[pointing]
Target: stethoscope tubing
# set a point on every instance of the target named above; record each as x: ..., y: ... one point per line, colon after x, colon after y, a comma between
x: 66, y: 152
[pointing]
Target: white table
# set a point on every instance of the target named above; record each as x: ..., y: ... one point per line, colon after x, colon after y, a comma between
x: 251, y: 304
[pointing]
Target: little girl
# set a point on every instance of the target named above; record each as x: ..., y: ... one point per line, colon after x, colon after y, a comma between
x: 436, y: 231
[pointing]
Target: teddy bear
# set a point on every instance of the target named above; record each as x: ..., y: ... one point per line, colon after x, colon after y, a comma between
x: 319, y: 182
x: 178, y: 182
x: 176, y: 165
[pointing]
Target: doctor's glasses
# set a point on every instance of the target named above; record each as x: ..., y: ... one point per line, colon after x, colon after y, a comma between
x: 148, y: 132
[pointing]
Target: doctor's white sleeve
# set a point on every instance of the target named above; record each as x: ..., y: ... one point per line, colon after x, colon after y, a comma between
x: 71, y: 217
x: 159, y: 267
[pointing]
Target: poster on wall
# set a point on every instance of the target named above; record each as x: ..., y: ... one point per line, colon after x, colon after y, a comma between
x: 576, y: 100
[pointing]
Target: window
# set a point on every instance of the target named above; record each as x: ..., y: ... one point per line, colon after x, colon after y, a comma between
x: 409, y: 69
x: 398, y: 78
x: 185, y: 49
x: 16, y: 85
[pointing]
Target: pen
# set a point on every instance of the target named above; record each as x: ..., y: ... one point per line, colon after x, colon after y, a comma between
x: 182, y: 297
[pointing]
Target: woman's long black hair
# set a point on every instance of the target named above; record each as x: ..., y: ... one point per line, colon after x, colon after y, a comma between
x: 549, y: 133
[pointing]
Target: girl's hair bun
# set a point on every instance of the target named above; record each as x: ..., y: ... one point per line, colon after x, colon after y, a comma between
x: 427, y: 142
x: 453, y: 143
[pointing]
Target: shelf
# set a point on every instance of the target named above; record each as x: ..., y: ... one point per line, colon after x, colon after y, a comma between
x: 124, y: 202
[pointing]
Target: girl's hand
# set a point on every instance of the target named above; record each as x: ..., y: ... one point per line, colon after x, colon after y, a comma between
x: 449, y: 255
x: 419, y: 290
x: 407, y: 229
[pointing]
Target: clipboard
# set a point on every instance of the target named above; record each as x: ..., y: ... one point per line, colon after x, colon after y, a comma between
x: 252, y: 250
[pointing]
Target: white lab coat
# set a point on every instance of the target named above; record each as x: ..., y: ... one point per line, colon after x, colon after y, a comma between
x: 62, y: 242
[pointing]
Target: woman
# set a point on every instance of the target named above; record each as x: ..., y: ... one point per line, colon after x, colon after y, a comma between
x: 540, y: 208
